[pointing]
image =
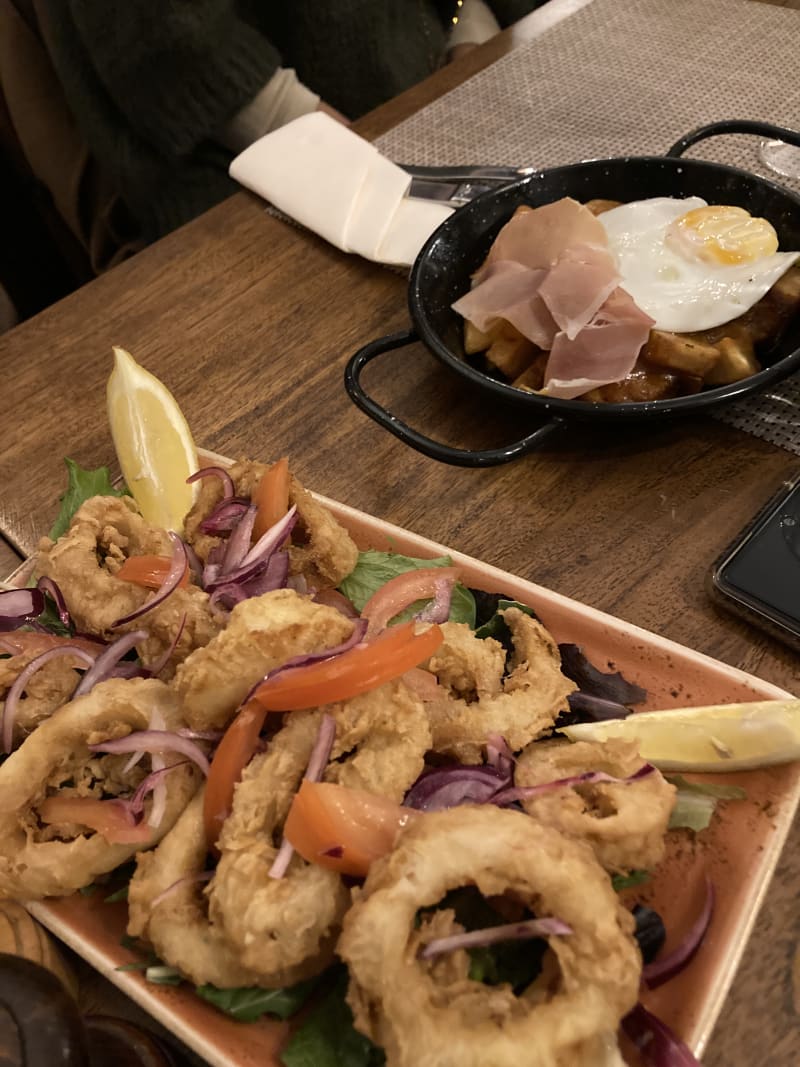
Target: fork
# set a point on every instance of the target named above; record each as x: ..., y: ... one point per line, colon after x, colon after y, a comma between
x: 459, y: 185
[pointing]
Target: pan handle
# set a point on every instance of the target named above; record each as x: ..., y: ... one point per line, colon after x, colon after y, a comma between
x: 457, y: 457
x: 761, y: 129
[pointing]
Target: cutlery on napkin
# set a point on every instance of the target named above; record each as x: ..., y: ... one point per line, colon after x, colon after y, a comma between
x: 330, y: 180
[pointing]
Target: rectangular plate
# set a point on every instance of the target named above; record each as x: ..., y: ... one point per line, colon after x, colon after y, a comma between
x: 739, y: 850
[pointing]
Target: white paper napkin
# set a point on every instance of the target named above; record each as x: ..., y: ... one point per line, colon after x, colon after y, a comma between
x: 335, y: 183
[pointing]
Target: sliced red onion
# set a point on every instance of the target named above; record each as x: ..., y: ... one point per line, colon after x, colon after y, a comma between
x: 108, y: 660
x: 317, y: 762
x: 228, y: 489
x: 47, y: 585
x: 661, y: 970
x: 273, y: 538
x: 447, y: 787
x: 657, y: 1044
x: 332, y: 598
x: 201, y: 735
x: 225, y: 517
x: 299, y: 583
x: 20, y: 606
x: 163, y: 660
x: 22, y: 679
x: 229, y: 594
x: 148, y: 785
x: 158, y: 806
x: 154, y: 741
x: 204, y: 876
x: 491, y: 935
x: 499, y: 755
x: 177, y: 570
x: 238, y: 544
x: 297, y: 662
x: 438, y: 610
x: 195, y: 566
x: 525, y: 792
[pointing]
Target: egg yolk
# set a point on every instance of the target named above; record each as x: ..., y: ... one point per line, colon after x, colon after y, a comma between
x: 722, y: 234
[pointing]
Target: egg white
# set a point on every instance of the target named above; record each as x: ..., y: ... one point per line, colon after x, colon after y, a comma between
x: 682, y: 294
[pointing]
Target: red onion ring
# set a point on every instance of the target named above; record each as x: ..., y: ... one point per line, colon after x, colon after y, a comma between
x: 491, y: 935
x: 238, y: 544
x: 438, y: 610
x: 257, y: 558
x: 228, y: 489
x: 22, y: 679
x: 204, y: 876
x: 154, y: 741
x: 225, y: 517
x: 177, y: 570
x: 20, y: 606
x: 657, y: 1044
x: 298, y: 662
x: 509, y: 796
x: 47, y: 585
x: 162, y: 661
x: 661, y: 970
x: 107, y: 660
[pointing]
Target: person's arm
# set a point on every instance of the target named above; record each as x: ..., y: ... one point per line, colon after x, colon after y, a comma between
x: 178, y: 70
x: 476, y: 24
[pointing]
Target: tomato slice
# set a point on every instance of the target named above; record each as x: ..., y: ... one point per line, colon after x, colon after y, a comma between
x: 403, y: 590
x: 271, y: 497
x: 233, y: 753
x: 364, y: 667
x: 149, y: 571
x: 344, y: 829
x: 107, y: 817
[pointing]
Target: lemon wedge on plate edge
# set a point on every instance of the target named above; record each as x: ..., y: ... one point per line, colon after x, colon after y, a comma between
x: 718, y: 738
x: 153, y: 442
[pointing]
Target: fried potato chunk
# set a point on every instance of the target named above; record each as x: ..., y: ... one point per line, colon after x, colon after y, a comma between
x: 624, y: 822
x: 263, y: 632
x: 424, y: 1017
x: 84, y: 562
x: 55, y: 760
x: 479, y: 700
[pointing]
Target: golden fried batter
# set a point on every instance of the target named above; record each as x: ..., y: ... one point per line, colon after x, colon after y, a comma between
x: 284, y: 929
x: 422, y: 1019
x: 178, y: 926
x: 263, y: 632
x: 103, y: 533
x: 321, y: 549
x: 624, y: 823
x: 55, y: 760
x: 47, y: 690
x: 480, y: 701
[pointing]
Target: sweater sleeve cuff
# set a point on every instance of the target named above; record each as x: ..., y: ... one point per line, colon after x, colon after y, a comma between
x: 282, y: 99
x: 476, y: 24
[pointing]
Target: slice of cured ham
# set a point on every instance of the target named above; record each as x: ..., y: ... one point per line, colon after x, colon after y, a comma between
x: 549, y: 274
x: 603, y: 352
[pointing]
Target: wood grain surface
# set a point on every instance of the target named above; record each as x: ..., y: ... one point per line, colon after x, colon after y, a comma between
x: 250, y: 323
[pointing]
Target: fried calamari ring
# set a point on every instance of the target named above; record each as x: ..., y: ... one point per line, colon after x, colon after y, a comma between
x: 47, y: 690
x: 420, y: 1021
x: 167, y: 906
x: 55, y: 760
x: 480, y: 701
x: 104, y: 532
x: 624, y: 822
x: 263, y: 632
x: 321, y: 549
x: 283, y: 929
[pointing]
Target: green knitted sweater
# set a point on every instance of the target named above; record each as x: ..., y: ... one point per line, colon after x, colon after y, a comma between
x: 150, y: 81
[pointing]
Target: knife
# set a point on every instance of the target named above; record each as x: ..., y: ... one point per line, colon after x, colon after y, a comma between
x: 459, y: 185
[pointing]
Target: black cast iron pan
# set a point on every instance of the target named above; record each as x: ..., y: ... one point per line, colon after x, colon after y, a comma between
x: 442, y: 272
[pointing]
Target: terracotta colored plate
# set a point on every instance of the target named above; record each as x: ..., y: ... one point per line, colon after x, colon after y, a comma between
x: 739, y: 850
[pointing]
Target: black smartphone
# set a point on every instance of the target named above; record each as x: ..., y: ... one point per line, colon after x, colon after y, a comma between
x: 758, y: 575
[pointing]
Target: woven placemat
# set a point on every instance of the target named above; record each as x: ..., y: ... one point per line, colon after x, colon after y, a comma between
x: 629, y: 77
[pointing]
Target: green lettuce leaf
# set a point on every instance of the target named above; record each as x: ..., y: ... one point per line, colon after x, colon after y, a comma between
x: 497, y: 627
x: 629, y: 880
x: 375, y: 569
x: 81, y: 485
x: 246, y: 1005
x: 327, y: 1037
x: 696, y: 802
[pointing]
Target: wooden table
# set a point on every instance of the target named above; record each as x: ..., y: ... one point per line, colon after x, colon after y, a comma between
x: 250, y: 322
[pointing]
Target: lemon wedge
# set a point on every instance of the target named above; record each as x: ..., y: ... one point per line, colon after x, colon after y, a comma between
x: 153, y: 442
x: 722, y: 737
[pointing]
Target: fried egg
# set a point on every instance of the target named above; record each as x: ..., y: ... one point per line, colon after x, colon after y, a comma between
x: 691, y: 266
